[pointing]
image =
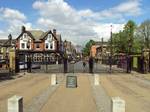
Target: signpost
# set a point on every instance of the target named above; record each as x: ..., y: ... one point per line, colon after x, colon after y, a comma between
x: 71, y: 82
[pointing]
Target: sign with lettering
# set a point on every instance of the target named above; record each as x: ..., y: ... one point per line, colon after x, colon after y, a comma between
x: 71, y: 82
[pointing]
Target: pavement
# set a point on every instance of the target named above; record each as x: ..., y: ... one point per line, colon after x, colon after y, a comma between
x: 134, y: 90
x: 78, y: 99
x: 40, y: 96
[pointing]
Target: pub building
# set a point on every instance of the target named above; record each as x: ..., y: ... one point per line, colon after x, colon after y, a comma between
x: 40, y: 46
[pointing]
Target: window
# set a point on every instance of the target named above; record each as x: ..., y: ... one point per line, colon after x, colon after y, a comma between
x: 46, y: 46
x: 23, y: 45
x: 28, y: 45
x: 49, y: 37
x: 51, y: 46
x: 25, y: 35
x: 37, y: 45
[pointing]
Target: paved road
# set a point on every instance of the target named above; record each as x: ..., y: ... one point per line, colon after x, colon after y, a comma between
x: 78, y: 68
x: 71, y: 99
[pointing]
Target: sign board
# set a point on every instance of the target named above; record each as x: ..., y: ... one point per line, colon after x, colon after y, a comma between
x: 135, y: 62
x: 71, y: 82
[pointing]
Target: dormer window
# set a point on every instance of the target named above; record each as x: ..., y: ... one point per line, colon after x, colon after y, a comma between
x: 51, y: 46
x: 49, y: 37
x: 25, y: 35
x: 22, y: 45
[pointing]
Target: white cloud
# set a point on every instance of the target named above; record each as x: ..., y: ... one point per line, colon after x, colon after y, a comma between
x: 14, y: 19
x: 7, y: 13
x: 75, y: 25
x: 131, y: 7
x: 81, y: 25
x: 103, y: 30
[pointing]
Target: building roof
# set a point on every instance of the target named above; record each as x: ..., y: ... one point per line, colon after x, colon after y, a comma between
x: 7, y: 42
x: 36, y: 34
x: 58, y: 36
x: 2, y: 41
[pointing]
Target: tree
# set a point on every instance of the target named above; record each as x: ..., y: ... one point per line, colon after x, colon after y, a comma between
x: 87, y: 48
x: 144, y: 32
x: 124, y: 39
x: 129, y: 32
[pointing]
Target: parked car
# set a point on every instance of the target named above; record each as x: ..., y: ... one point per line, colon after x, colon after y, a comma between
x: 23, y: 66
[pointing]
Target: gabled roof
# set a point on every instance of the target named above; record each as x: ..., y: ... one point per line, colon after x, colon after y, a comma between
x: 46, y: 33
x: 37, y: 35
x: 28, y: 32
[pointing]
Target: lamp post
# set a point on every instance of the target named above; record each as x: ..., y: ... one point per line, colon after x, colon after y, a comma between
x: 65, y: 57
x: 110, y: 57
x: 28, y: 58
x: 129, y: 52
x: 102, y: 51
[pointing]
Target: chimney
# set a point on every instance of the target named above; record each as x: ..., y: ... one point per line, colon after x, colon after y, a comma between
x: 54, y: 32
x: 10, y: 39
x: 23, y: 29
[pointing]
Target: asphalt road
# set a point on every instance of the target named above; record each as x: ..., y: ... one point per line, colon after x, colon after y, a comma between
x: 78, y: 68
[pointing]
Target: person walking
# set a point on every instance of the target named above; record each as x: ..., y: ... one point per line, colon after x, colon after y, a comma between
x: 91, y: 64
x: 84, y: 65
x: 65, y: 64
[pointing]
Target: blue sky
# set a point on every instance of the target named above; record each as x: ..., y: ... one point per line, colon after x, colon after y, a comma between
x: 74, y: 19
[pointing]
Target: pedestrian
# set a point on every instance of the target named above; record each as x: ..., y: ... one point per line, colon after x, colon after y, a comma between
x: 91, y: 64
x: 84, y: 65
x: 65, y: 65
x: 128, y: 64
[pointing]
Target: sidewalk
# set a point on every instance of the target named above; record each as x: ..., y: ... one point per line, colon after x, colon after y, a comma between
x: 78, y: 99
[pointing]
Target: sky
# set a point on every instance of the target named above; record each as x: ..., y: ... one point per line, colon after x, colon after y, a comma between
x: 76, y: 20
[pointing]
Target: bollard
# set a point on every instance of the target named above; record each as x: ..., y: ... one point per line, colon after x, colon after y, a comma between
x: 56, y: 62
x: 15, y: 104
x: 96, y: 79
x: 53, y: 79
x: 117, y: 104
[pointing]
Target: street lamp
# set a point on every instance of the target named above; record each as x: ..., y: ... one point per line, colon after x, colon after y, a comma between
x: 28, y: 58
x: 65, y: 57
x: 110, y: 57
x: 129, y: 52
